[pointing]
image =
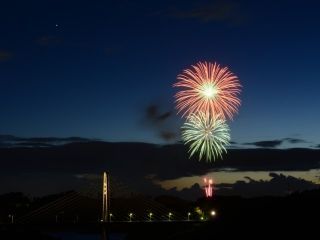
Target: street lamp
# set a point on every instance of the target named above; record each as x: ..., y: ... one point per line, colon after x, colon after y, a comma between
x: 213, y: 213
x: 130, y: 216
x: 150, y: 216
x: 110, y: 216
x: 189, y: 214
x: 169, y: 216
x: 11, y: 217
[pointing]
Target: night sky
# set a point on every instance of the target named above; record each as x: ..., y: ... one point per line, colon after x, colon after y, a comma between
x: 93, y: 68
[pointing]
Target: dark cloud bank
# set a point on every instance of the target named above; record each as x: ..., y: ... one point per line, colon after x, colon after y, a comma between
x: 13, y: 141
x: 59, y: 166
x: 275, y: 143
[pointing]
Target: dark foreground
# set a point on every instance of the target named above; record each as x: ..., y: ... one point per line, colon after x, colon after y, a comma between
x: 296, y: 215
x: 253, y: 225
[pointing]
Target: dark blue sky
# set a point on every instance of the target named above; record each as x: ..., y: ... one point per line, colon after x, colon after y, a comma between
x: 94, y: 73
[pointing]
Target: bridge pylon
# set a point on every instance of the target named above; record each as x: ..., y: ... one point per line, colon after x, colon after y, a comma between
x: 106, y: 197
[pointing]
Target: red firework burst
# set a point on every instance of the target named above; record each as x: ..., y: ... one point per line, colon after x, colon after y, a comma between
x: 208, y: 88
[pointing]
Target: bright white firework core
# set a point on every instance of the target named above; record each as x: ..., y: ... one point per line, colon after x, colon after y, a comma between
x: 207, y: 132
x: 209, y: 91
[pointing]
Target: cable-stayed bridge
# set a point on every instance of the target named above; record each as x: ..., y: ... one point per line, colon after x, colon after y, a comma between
x: 106, y: 200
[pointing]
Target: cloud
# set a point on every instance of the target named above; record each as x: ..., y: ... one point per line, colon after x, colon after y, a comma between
x: 168, y: 161
x: 154, y: 115
x: 168, y: 135
x: 192, y: 193
x: 5, y: 55
x: 294, y: 140
x: 131, y: 162
x: 13, y: 141
x: 266, y: 144
x: 48, y: 40
x: 279, y: 185
x: 161, y: 121
x: 217, y: 11
x: 268, y: 159
x: 276, y: 143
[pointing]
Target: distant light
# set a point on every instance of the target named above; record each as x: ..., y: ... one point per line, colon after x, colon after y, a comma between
x: 189, y: 213
x: 150, y: 216
x: 198, y: 210
x: 213, y: 213
x: 208, y: 188
x: 130, y: 214
x: 201, y: 218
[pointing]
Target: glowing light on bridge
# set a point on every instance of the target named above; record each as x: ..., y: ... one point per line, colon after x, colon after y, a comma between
x: 130, y: 216
x: 150, y: 216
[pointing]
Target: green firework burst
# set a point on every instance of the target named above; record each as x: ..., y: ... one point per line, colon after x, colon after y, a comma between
x: 207, y: 135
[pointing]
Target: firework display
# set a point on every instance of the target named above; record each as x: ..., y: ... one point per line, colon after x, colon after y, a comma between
x: 209, y: 96
x: 207, y: 135
x: 208, y: 88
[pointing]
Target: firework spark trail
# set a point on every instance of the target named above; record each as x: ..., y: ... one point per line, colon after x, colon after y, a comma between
x: 207, y: 134
x: 208, y: 88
